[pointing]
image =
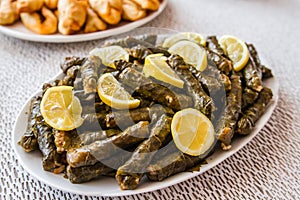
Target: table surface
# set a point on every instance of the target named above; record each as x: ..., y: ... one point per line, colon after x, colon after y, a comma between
x: 267, y: 168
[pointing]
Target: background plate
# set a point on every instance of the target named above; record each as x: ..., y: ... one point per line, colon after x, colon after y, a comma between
x: 18, y: 30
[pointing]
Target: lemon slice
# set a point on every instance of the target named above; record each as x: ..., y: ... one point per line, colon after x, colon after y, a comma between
x: 192, y: 131
x: 109, y: 54
x: 192, y: 54
x: 61, y: 109
x: 190, y: 36
x: 157, y: 67
x: 113, y: 94
x: 236, y: 50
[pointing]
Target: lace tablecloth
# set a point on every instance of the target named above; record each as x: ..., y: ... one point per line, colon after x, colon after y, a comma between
x: 267, y: 168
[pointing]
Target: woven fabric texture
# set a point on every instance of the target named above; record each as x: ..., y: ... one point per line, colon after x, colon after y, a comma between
x: 267, y: 168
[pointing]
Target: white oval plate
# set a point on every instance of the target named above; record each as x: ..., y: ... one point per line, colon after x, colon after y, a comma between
x: 18, y: 30
x: 32, y: 162
x: 105, y: 186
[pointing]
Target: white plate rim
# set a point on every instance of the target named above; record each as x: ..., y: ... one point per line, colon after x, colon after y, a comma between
x: 25, y: 34
x: 35, y: 168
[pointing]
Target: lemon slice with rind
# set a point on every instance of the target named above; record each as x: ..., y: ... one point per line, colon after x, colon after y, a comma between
x: 190, y: 36
x: 193, y: 133
x: 236, y: 50
x: 61, y: 109
x: 192, y: 54
x: 110, y: 54
x: 113, y: 94
x: 157, y: 67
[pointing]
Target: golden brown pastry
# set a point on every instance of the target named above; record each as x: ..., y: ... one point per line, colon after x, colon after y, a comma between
x: 132, y: 11
x: 29, y: 5
x: 93, y: 22
x: 33, y: 21
x: 72, y: 15
x: 52, y: 4
x: 148, y: 4
x: 8, y: 12
x: 109, y: 10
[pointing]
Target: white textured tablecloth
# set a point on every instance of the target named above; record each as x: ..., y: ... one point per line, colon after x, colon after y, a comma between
x: 267, y: 168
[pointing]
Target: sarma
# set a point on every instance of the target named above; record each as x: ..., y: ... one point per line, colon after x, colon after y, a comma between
x: 66, y: 140
x: 129, y: 175
x: 71, y: 61
x: 95, y: 107
x: 263, y: 72
x: 29, y: 139
x: 233, y: 108
x: 164, y: 96
x: 52, y: 160
x: 253, y: 113
x: 213, y: 44
x: 130, y: 42
x: 125, y: 118
x: 90, y: 137
x: 139, y: 53
x: 222, y: 63
x: 87, y: 173
x: 266, y: 72
x: 106, y: 168
x: 249, y: 97
x: 49, y: 85
x: 89, y: 73
x: 171, y: 164
x: 93, y: 122
x: 201, y: 100
x: 70, y: 76
x: 99, y: 150
x: 252, y: 71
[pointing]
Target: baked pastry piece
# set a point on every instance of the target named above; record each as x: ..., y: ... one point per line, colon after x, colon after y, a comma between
x: 33, y: 21
x: 93, y: 22
x: 71, y: 15
x: 109, y: 10
x: 8, y: 12
x: 52, y: 4
x: 132, y: 11
x: 148, y: 4
x: 29, y: 5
